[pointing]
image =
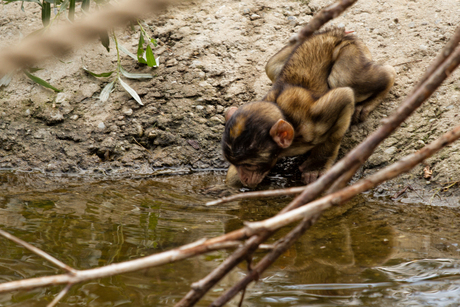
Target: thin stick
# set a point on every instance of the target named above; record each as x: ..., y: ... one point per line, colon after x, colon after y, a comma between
x: 311, y: 212
x: 326, y: 14
x: 281, y: 246
x: 38, y: 251
x: 60, y: 295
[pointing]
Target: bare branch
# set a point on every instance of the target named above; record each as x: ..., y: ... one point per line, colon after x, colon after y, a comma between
x: 60, y: 296
x: 280, y: 247
x: 326, y: 14
x: 38, y: 251
x: 312, y: 211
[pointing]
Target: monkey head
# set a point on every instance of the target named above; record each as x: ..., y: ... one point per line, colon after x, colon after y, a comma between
x: 254, y: 137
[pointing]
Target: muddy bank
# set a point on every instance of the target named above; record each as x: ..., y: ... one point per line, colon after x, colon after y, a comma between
x: 212, y: 57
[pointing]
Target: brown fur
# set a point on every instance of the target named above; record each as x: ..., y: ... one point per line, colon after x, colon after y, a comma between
x: 319, y: 87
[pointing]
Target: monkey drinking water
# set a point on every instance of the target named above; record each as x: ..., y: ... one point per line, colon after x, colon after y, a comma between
x: 319, y: 88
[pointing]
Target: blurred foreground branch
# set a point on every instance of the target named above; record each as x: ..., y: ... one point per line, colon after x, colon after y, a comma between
x: 60, y: 40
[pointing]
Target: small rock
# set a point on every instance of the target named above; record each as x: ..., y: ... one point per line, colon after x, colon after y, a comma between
x: 101, y: 125
x: 74, y: 117
x: 342, y: 25
x: 423, y: 47
x: 246, y: 11
x: 27, y: 112
x: 254, y: 17
x: 411, y: 25
x: 198, y: 107
x: 194, y: 144
x: 127, y: 111
x: 392, y: 150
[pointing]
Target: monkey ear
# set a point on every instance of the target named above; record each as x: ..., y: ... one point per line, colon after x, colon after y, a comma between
x: 282, y: 133
x: 229, y: 113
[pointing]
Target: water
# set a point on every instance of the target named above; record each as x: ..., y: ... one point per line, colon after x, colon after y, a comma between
x: 370, y: 252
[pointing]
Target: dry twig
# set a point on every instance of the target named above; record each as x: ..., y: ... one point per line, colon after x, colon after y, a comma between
x: 313, y: 210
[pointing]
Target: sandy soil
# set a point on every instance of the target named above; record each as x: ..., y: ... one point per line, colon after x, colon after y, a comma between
x: 212, y: 56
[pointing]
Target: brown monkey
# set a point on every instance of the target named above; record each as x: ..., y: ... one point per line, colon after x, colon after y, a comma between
x: 319, y: 87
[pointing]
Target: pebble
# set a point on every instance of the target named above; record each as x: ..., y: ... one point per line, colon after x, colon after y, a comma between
x: 254, y: 17
x: 27, y: 112
x: 127, y: 111
x: 392, y: 150
x: 199, y: 107
x: 101, y: 125
x: 411, y: 25
x: 74, y: 117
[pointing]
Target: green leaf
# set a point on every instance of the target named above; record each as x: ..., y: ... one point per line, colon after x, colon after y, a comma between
x: 134, y: 76
x: 46, y: 13
x: 41, y: 82
x: 126, y: 51
x: 71, y: 10
x: 85, y: 5
x: 105, y: 40
x: 34, y: 69
x: 6, y: 79
x: 101, y: 75
x: 154, y: 42
x: 140, y: 50
x: 150, y: 57
x: 131, y: 91
x: 105, y: 93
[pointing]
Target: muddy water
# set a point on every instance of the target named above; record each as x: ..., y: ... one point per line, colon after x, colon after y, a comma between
x: 371, y: 252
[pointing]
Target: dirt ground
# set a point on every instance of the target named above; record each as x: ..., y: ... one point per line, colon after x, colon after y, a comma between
x: 212, y: 56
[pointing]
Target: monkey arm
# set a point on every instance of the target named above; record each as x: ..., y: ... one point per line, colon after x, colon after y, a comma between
x: 333, y: 113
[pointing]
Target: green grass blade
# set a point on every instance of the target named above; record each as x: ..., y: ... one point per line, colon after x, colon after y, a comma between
x: 101, y: 75
x: 85, y: 5
x: 72, y: 10
x: 105, y: 40
x: 140, y: 50
x: 131, y: 91
x: 46, y: 13
x: 105, y: 93
x: 135, y: 76
x: 41, y: 82
x: 150, y: 57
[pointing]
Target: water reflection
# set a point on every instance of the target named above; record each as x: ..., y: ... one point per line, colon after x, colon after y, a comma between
x: 365, y: 253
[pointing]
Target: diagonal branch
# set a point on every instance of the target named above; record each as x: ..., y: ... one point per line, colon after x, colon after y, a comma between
x: 39, y: 252
x: 310, y: 213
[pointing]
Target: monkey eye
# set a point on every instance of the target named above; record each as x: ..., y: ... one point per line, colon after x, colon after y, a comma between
x: 250, y: 167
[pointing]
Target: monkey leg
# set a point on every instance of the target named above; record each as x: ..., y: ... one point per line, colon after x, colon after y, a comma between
x: 276, y: 62
x: 363, y: 108
x: 333, y: 112
x: 370, y: 82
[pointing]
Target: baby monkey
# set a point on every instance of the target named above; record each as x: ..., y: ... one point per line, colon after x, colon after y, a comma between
x: 319, y: 88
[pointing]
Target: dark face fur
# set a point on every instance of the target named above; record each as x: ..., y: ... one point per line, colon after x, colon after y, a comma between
x: 247, y: 143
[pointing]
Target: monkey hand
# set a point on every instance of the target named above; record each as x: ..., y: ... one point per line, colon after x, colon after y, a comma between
x: 360, y: 114
x: 311, y: 175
